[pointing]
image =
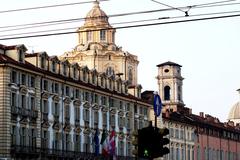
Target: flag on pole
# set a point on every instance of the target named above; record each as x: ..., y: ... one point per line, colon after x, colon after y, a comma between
x: 96, y: 142
x: 104, y: 143
x: 112, y: 144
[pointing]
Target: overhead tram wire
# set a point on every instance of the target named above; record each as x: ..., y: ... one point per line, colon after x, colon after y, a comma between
x: 126, y: 22
x: 48, y: 6
x: 129, y: 22
x: 214, y: 3
x: 129, y: 26
x: 38, y: 24
x: 168, y: 6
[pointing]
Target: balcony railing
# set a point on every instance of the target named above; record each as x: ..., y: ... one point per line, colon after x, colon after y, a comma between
x: 14, y: 110
x: 27, y: 151
x: 33, y: 113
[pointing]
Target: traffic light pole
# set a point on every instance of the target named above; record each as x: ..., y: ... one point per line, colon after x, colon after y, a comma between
x: 155, y: 121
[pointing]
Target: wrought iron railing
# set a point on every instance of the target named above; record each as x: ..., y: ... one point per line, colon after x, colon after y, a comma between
x: 19, y: 150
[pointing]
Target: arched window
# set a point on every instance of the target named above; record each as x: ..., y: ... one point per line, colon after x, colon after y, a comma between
x: 167, y: 90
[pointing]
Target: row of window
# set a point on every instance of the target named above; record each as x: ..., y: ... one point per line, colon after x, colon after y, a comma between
x: 212, y: 154
x: 122, y: 121
x: 81, y: 143
x: 22, y: 79
x: 183, y: 153
x: 182, y: 134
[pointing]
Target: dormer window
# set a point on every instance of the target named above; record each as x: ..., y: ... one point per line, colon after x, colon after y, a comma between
x: 118, y: 86
x: 43, y: 62
x: 102, y: 81
x: 21, y: 55
x: 74, y: 73
x: 53, y: 66
x: 102, y: 35
x: 110, y: 84
x: 64, y: 69
x: 93, y: 79
x: 84, y: 76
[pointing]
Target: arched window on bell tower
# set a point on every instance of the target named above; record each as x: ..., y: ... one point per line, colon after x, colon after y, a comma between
x: 167, y: 90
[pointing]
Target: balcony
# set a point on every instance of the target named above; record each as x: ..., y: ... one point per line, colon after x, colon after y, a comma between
x: 33, y: 114
x: 25, y: 112
x: 20, y: 151
x: 14, y: 110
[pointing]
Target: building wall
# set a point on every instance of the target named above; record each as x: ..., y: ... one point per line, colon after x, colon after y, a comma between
x: 4, y: 112
x: 217, y: 148
x: 36, y: 116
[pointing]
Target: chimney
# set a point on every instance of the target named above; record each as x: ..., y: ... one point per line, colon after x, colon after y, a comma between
x: 230, y: 123
x: 201, y: 114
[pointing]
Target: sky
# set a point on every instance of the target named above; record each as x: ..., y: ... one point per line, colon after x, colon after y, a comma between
x: 207, y: 50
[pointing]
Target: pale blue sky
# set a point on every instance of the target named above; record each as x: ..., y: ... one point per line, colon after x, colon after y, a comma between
x: 207, y: 50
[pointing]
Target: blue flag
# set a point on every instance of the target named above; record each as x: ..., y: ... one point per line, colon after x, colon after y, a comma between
x: 96, y: 142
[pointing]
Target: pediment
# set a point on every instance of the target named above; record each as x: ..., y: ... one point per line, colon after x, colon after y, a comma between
x: 23, y: 89
x: 87, y: 131
x: 67, y: 128
x: 67, y: 100
x: 95, y: 106
x: 78, y: 129
x: 76, y: 102
x: 56, y: 98
x: 56, y: 126
x: 86, y: 104
x: 113, y: 110
x: 104, y: 108
x: 45, y: 95
x: 129, y: 114
x: 121, y: 113
x: 45, y: 124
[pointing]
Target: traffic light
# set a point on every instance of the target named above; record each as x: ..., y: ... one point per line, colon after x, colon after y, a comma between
x: 163, y: 141
x: 145, y: 141
x: 135, y: 143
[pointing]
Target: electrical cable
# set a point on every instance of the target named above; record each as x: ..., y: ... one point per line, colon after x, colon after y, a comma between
x: 122, y: 14
x: 125, y: 27
x: 48, y: 6
x: 126, y: 22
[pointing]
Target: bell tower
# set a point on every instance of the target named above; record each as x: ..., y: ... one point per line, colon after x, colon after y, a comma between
x: 170, y: 85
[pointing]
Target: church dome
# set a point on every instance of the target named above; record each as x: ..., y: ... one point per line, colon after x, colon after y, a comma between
x: 96, y: 16
x: 234, y: 114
